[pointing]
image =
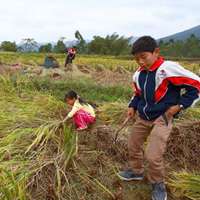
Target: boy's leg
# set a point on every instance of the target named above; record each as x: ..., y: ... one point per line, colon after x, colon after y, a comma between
x: 141, y: 130
x: 156, y: 147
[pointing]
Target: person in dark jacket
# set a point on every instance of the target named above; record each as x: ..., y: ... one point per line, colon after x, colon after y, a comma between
x: 158, y: 97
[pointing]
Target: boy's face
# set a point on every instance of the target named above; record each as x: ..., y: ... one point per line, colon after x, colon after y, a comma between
x: 146, y: 59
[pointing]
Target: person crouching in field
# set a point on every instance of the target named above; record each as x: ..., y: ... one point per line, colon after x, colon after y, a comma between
x: 158, y: 98
x: 83, y: 114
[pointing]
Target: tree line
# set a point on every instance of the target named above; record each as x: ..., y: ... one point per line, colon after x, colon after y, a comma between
x: 109, y: 45
x: 189, y: 48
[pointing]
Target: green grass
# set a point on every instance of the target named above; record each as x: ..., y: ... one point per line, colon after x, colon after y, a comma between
x: 109, y: 62
x: 35, y: 59
x: 86, y: 88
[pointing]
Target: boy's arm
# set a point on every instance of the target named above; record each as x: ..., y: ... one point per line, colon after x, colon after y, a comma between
x: 132, y: 107
x: 190, y: 82
x: 189, y: 97
x: 134, y: 102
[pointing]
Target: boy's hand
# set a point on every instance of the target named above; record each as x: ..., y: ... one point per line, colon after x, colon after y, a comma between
x: 131, y: 112
x: 173, y: 110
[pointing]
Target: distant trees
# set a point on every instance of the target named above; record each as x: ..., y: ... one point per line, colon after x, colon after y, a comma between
x: 81, y: 45
x: 60, y: 46
x: 46, y: 48
x: 8, y: 46
x: 110, y: 45
x: 187, y: 48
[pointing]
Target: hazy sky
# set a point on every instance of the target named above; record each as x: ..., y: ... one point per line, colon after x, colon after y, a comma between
x: 48, y: 20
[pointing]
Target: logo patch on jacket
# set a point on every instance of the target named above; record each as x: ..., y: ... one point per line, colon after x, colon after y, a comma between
x: 163, y: 73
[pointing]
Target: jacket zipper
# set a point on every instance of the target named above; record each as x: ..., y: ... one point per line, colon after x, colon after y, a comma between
x: 145, y: 96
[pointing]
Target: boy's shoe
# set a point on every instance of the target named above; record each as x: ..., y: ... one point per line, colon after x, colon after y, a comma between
x: 129, y: 175
x: 159, y: 191
x: 81, y: 128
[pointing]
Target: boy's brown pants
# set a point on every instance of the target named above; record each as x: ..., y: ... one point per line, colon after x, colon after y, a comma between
x: 158, y: 132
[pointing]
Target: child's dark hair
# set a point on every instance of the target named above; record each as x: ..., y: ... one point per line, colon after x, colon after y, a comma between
x: 144, y: 44
x: 73, y: 95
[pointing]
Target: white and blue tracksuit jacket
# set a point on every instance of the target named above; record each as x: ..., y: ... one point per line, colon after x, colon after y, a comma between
x: 161, y: 86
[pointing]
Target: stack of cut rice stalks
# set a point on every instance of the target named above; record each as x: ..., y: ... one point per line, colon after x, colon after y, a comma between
x: 32, y: 140
x: 185, y: 184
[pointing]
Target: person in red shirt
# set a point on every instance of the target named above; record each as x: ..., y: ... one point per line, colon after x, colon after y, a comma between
x: 71, y: 54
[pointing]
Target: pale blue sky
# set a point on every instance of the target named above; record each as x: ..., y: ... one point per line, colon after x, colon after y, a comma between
x: 48, y: 20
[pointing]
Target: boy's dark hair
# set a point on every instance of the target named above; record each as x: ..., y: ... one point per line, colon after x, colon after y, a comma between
x: 73, y: 95
x: 144, y: 44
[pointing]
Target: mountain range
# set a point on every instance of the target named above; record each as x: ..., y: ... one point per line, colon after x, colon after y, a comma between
x: 183, y: 35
